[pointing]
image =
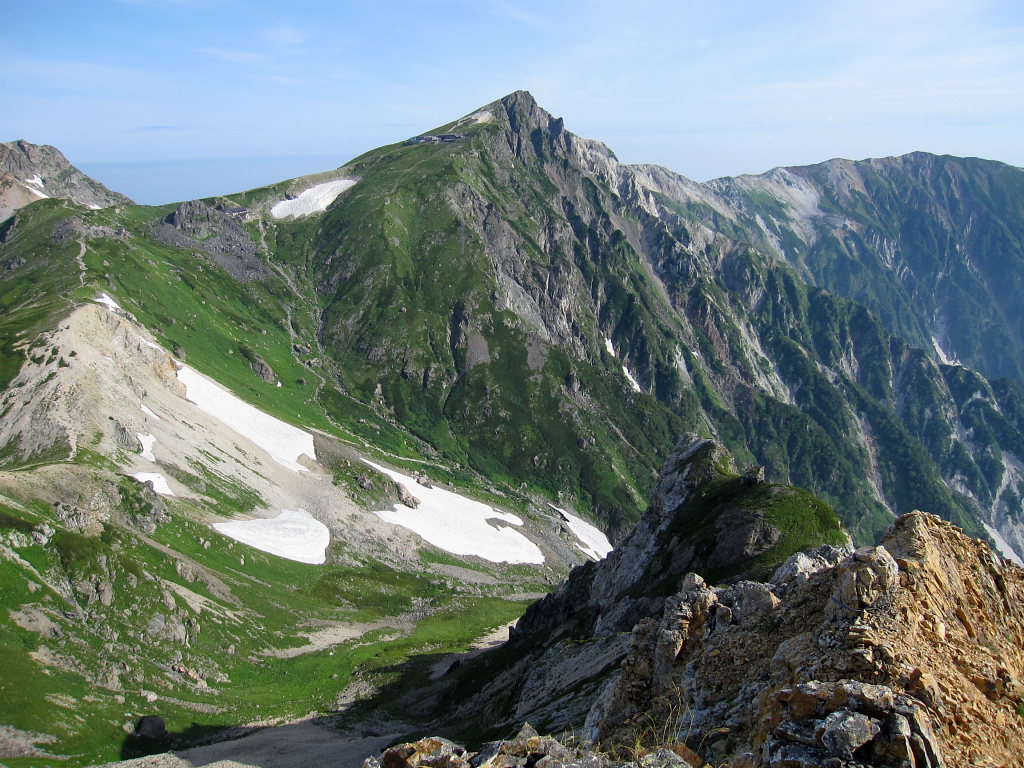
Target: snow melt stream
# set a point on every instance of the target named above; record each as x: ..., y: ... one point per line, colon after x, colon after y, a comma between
x: 459, y: 525
x: 294, y: 534
x: 282, y: 441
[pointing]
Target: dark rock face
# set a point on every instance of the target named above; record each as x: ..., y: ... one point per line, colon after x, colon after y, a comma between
x: 592, y: 599
x: 201, y: 227
x: 570, y: 642
x: 859, y: 724
x: 742, y: 536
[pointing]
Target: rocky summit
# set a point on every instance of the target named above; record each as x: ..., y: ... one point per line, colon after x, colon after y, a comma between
x: 286, y: 462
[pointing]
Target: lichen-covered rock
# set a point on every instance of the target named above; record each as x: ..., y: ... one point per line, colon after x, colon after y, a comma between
x: 528, y: 749
x: 905, y: 654
x: 431, y: 752
x: 859, y: 724
x: 867, y: 580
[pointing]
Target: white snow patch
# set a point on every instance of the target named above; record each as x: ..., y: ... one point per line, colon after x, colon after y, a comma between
x: 609, y: 346
x: 459, y: 525
x: 95, y: 207
x: 294, y: 534
x: 148, y: 412
x: 593, y: 542
x: 1003, y: 545
x: 159, y: 482
x: 149, y: 343
x: 108, y: 302
x: 147, y: 442
x: 483, y: 116
x: 35, y: 181
x: 282, y: 441
x: 684, y: 371
x: 946, y: 359
x: 312, y: 200
x: 632, y: 381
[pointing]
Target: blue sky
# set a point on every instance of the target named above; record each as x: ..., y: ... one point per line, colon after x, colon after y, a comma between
x: 140, y: 90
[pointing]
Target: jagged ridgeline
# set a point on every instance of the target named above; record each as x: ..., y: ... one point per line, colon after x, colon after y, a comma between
x: 531, y: 307
x: 506, y: 296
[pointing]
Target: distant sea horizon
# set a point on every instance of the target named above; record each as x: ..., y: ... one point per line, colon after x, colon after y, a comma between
x: 156, y: 182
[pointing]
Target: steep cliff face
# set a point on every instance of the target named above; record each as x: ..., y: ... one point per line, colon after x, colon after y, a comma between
x: 30, y: 172
x: 702, y: 516
x: 917, y: 640
x: 920, y: 239
x: 520, y: 264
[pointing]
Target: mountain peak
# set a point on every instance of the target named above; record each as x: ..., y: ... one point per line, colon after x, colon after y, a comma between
x: 522, y: 98
x: 30, y: 172
x: 523, y: 112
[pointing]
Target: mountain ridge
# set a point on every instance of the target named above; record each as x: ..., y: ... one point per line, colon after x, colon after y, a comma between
x: 30, y: 172
x: 499, y: 308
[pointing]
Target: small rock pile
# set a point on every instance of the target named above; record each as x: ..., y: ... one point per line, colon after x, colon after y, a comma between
x: 849, y: 724
x: 527, y: 750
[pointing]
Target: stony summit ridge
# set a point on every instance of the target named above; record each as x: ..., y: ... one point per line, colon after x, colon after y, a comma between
x: 282, y: 464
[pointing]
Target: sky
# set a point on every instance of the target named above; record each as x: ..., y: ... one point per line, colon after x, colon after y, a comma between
x: 175, y: 99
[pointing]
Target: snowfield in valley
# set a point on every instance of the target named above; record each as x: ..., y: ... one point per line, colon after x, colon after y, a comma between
x: 294, y: 534
x: 459, y: 525
x: 312, y: 200
x: 282, y: 441
x: 593, y: 542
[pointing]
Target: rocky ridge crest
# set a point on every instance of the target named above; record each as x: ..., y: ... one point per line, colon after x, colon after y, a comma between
x: 904, y: 654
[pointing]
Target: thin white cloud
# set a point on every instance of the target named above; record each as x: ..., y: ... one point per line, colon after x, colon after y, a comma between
x: 284, y: 36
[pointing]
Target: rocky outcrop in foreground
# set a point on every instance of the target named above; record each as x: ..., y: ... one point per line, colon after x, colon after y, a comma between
x: 909, y: 654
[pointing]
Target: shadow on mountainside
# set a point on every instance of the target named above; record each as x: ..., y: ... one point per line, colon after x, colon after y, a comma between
x: 147, y: 739
x: 316, y: 741
x: 401, y: 702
